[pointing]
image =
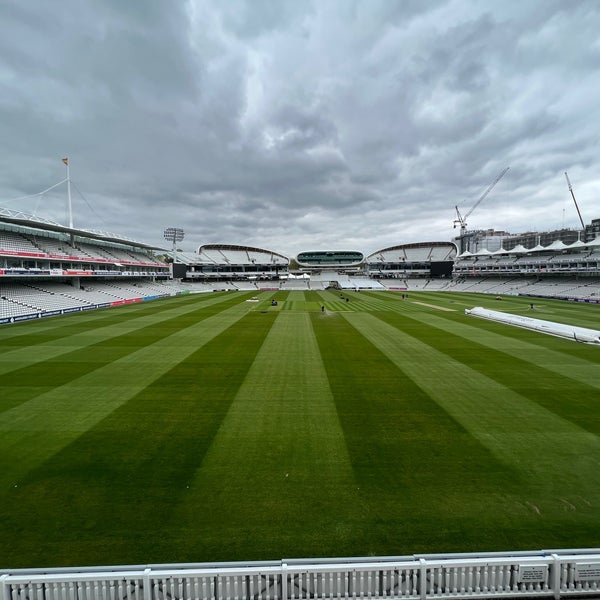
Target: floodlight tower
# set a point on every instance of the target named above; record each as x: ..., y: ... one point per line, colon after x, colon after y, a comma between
x: 174, y: 234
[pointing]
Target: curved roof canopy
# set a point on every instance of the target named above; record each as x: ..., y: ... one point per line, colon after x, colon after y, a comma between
x: 237, y: 248
x: 22, y: 219
x: 448, y: 250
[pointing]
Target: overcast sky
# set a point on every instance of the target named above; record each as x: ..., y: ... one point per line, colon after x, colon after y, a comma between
x: 301, y: 125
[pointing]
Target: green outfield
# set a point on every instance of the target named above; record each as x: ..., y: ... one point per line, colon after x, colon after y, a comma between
x: 209, y: 428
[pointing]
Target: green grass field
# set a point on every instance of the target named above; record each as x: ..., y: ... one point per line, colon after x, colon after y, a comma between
x: 208, y: 428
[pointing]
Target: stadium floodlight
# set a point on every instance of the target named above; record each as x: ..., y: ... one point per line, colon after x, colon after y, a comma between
x: 174, y: 234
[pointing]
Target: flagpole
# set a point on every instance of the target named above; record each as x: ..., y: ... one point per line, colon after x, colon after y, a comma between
x: 69, y: 205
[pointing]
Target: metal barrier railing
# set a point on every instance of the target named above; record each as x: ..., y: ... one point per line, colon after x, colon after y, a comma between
x: 545, y: 574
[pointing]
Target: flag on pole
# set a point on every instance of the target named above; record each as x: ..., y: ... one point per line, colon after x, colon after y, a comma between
x: 66, y: 161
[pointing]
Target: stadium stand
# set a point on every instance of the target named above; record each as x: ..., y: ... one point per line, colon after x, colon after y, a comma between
x: 228, y: 263
x: 47, y: 268
x: 425, y: 259
x: 300, y: 284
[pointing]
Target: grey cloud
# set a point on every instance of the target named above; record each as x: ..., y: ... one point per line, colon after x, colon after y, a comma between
x: 289, y: 124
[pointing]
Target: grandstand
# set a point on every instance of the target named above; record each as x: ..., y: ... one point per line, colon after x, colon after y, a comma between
x: 226, y: 262
x: 417, y: 260
x: 558, y: 270
x: 47, y: 269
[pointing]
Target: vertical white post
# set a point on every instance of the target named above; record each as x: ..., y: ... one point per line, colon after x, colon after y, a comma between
x: 147, y: 585
x: 69, y: 205
x: 4, y: 588
x: 556, y: 566
x: 284, y: 581
x: 423, y: 578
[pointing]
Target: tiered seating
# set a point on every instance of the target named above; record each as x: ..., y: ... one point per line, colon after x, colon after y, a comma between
x: 416, y: 283
x: 236, y: 257
x: 141, y: 257
x: 441, y: 253
x: 78, y: 252
x: 16, y: 242
x: 211, y: 256
x: 436, y: 285
x: 364, y: 283
x: 11, y: 308
x: 418, y: 254
x: 278, y: 260
x: 50, y: 245
x: 36, y: 299
x: 295, y: 284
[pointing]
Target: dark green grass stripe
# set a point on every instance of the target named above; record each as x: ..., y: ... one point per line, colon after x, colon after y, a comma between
x: 372, y: 301
x: 335, y: 301
x: 294, y: 300
x: 22, y: 384
x: 45, y: 330
x: 392, y: 427
x: 24, y: 356
x: 584, y: 315
x: 570, y: 359
x: 519, y: 432
x: 574, y: 313
x: 387, y: 300
x: 278, y: 471
x: 531, y: 372
x: 109, y: 491
x: 576, y: 363
x: 55, y: 328
x: 425, y: 481
x: 35, y: 429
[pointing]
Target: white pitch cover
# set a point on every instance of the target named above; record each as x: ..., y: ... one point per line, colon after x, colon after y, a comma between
x: 570, y: 332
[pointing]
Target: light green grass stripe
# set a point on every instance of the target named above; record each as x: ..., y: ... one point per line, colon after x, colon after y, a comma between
x: 567, y: 365
x: 283, y: 431
x: 33, y: 431
x: 517, y: 430
x: 358, y: 302
x: 300, y: 301
x: 24, y: 357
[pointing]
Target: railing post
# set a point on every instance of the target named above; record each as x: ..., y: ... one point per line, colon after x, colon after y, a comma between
x: 423, y: 578
x: 556, y: 568
x: 284, y: 583
x: 147, y: 585
x: 4, y: 591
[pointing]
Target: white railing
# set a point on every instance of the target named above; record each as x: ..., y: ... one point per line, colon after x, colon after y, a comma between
x: 545, y: 574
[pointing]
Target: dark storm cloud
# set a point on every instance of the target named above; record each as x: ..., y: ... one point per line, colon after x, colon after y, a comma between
x: 300, y: 124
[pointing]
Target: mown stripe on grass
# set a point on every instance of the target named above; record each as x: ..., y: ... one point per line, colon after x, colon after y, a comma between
x: 294, y: 300
x: 583, y: 370
x: 104, y: 497
x: 24, y: 356
x: 32, y: 332
x: 518, y: 431
x: 555, y: 381
x: 335, y: 301
x: 393, y: 427
x: 425, y: 480
x: 20, y: 385
x: 38, y: 428
x: 278, y: 471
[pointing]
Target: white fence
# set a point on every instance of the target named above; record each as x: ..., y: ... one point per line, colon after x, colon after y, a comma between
x: 517, y: 575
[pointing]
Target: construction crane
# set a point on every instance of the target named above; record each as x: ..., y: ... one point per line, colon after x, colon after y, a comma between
x: 575, y: 201
x: 462, y: 219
